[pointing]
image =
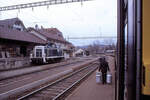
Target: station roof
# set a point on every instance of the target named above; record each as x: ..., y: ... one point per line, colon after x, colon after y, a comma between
x: 10, y: 22
x: 6, y: 33
x: 52, y: 33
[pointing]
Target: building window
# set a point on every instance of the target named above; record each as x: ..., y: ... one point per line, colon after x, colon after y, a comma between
x: 18, y: 27
x: 23, y: 51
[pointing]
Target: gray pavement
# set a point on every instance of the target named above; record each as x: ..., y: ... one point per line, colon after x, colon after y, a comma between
x: 90, y: 90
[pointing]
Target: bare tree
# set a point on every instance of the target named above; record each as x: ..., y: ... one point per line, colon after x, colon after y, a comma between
x: 95, y: 47
x: 110, y: 44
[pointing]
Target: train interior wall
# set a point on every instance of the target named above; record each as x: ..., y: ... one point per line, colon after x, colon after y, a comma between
x: 146, y: 47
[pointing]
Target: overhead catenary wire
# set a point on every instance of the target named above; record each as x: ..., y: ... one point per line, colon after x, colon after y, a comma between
x: 94, y: 37
x: 36, y: 4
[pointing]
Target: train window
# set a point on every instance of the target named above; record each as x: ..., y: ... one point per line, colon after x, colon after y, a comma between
x: 38, y: 52
x: 45, y: 50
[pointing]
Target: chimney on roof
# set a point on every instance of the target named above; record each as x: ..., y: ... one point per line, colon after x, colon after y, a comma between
x: 36, y: 27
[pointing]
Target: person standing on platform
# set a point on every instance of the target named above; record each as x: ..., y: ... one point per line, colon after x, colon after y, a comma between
x: 103, y: 67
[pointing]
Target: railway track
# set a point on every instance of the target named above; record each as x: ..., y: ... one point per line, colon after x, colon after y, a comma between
x: 20, y: 77
x: 59, y: 89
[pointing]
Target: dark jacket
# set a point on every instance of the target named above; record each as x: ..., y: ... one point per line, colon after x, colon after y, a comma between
x: 104, y: 67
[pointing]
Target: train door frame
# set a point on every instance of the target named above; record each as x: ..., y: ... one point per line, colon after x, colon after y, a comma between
x: 129, y: 13
x: 120, y: 51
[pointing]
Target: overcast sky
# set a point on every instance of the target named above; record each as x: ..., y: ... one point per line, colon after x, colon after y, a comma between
x: 93, y: 18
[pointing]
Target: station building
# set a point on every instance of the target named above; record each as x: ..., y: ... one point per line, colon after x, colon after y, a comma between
x: 16, y: 44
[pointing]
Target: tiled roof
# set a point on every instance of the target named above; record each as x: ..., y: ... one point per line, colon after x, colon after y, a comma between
x: 11, y: 34
x: 29, y: 29
x: 53, y: 33
x: 10, y: 22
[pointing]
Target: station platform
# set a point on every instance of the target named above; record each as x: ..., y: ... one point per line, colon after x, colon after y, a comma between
x: 90, y: 90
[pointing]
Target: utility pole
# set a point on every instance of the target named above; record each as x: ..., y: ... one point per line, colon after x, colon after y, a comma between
x: 68, y: 38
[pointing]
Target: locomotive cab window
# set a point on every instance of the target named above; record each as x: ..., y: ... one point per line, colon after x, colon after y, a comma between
x: 38, y: 52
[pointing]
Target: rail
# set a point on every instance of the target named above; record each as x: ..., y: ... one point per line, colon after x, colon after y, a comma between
x: 58, y: 89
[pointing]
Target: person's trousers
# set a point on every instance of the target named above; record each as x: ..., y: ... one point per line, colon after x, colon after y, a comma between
x: 104, y: 78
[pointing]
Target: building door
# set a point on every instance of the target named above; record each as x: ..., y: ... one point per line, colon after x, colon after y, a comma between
x: 23, y: 51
